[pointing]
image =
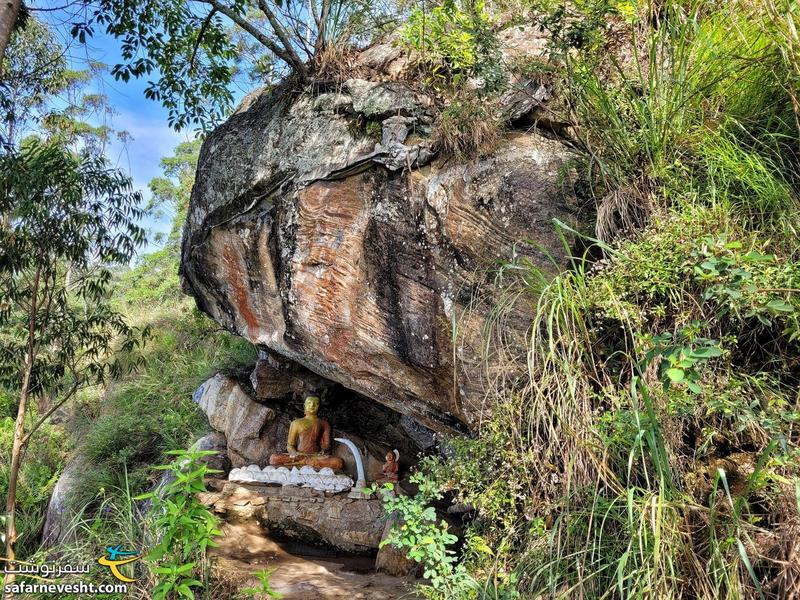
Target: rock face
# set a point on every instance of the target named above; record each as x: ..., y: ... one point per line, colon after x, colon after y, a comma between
x: 215, y: 442
x: 59, y: 514
x: 275, y: 377
x: 352, y: 525
x: 356, y: 254
x: 233, y: 413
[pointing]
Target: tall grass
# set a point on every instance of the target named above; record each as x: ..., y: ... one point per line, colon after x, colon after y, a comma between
x: 593, y: 480
x: 116, y: 519
x: 702, y: 98
x: 597, y: 472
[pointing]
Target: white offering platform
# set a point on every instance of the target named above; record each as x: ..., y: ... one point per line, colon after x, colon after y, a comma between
x: 324, y: 480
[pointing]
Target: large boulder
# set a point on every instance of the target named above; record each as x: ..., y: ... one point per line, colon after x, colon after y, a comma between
x: 60, y: 514
x: 358, y: 255
x: 232, y: 412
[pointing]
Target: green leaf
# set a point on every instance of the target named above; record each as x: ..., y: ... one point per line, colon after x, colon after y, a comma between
x: 676, y: 375
x: 778, y: 305
x: 707, y: 352
x: 693, y: 387
x: 754, y: 256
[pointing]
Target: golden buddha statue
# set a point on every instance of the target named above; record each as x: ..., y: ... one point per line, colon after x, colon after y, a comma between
x: 309, y: 442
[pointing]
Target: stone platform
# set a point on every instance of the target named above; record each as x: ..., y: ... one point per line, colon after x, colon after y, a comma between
x: 350, y: 524
x: 324, y: 480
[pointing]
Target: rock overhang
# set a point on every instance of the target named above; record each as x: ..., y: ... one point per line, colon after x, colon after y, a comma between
x: 358, y: 258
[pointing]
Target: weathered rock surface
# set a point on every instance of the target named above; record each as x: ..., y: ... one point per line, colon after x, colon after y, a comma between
x: 356, y: 258
x: 352, y: 525
x: 274, y: 377
x: 59, y: 514
x: 232, y: 412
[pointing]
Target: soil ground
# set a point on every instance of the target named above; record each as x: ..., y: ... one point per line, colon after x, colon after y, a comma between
x: 301, y: 574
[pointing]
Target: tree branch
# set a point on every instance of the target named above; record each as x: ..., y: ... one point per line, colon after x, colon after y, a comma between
x: 322, y: 28
x: 203, y: 27
x: 280, y: 32
x: 312, y: 7
x: 45, y: 416
x: 289, y: 58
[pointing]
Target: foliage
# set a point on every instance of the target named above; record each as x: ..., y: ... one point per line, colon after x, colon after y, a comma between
x: 191, y: 48
x: 172, y: 190
x: 151, y: 411
x: 44, y: 96
x: 680, y: 357
x: 582, y: 25
x: 456, y: 41
x: 426, y: 540
x: 264, y: 586
x: 645, y: 120
x: 118, y: 518
x: 645, y: 445
x: 630, y: 452
x: 182, y: 526
x: 64, y: 219
x: 457, y: 47
x: 34, y: 70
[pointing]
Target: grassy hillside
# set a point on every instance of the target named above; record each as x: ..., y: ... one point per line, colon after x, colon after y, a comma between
x: 123, y: 429
x: 651, y: 450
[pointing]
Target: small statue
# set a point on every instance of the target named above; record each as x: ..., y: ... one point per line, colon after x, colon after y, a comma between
x: 391, y: 468
x: 309, y: 442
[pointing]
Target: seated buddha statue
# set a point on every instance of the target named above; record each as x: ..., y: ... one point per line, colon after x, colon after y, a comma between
x: 309, y: 442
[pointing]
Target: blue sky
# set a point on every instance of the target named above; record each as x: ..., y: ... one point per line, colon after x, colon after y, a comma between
x: 145, y: 120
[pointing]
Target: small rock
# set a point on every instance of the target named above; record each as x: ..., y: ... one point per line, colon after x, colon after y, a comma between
x: 391, y: 560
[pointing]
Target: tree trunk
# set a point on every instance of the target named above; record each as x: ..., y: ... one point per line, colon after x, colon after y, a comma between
x: 9, y: 11
x: 18, y: 447
x: 13, y: 476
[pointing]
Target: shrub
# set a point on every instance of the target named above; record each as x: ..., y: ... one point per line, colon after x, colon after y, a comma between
x: 456, y: 41
x: 426, y: 540
x: 605, y: 473
x: 182, y: 527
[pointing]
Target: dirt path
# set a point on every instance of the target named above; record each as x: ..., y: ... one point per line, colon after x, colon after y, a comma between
x: 245, y: 549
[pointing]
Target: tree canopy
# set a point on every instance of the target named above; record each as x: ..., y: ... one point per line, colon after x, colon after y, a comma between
x: 65, y: 219
x: 193, y: 47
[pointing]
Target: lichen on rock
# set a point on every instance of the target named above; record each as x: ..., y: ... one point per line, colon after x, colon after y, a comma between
x: 358, y: 258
